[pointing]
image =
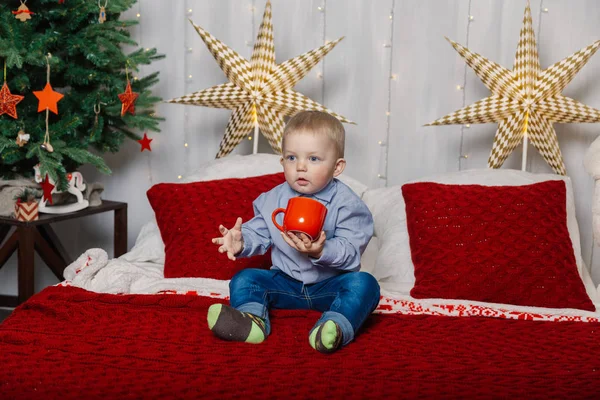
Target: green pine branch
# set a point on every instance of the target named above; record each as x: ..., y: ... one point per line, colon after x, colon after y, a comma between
x: 6, y: 144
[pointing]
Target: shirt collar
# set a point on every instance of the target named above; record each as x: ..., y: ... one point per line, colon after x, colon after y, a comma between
x: 325, y: 194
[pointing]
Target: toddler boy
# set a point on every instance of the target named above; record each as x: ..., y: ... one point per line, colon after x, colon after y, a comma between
x: 322, y: 275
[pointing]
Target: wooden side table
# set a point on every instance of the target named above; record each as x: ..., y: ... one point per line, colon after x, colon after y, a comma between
x: 39, y: 236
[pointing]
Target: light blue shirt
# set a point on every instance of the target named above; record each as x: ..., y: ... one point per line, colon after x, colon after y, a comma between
x: 348, y: 228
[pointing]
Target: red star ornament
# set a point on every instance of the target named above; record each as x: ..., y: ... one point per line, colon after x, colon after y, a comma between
x: 145, y: 142
x: 128, y: 99
x: 9, y: 101
x: 48, y: 99
x: 47, y: 187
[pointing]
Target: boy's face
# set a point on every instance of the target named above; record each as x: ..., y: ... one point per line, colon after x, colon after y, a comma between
x: 310, y: 162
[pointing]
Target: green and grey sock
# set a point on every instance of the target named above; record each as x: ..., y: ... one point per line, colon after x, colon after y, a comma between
x: 230, y: 324
x: 326, y: 338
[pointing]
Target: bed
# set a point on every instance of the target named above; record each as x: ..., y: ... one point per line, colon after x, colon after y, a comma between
x: 135, y: 327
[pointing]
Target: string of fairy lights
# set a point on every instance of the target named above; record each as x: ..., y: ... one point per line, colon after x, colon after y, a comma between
x: 462, y: 88
x: 135, y: 78
x: 321, y: 74
x: 382, y: 175
x: 188, y: 77
x: 250, y: 43
x: 537, y: 35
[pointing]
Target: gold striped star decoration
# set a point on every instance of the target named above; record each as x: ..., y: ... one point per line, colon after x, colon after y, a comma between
x: 259, y: 91
x: 525, y: 101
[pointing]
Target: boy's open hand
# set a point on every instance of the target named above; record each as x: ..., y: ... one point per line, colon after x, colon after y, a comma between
x: 302, y: 243
x: 232, y: 241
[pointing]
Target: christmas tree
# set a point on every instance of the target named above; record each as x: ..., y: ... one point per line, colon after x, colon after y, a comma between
x: 88, y: 66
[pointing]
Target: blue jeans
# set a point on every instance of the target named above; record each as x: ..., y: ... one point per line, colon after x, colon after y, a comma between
x: 346, y: 299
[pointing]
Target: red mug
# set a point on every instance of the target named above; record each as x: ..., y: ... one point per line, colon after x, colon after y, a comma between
x: 302, y: 215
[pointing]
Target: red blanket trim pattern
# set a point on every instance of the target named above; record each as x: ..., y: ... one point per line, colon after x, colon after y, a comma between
x: 67, y: 343
x: 464, y: 309
x: 388, y: 305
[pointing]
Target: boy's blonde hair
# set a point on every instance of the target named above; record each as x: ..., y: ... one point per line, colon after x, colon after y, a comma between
x: 318, y: 123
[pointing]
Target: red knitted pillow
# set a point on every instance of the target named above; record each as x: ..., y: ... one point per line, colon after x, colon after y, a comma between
x: 499, y: 244
x: 189, y: 214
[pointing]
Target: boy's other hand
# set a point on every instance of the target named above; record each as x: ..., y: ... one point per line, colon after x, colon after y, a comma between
x: 302, y: 243
x: 232, y: 241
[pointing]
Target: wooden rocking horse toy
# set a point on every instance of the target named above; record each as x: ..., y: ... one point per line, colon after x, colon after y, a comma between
x: 76, y: 187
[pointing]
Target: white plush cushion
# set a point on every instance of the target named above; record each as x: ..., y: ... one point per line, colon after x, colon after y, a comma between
x: 394, y: 267
x: 148, y: 247
x: 591, y: 162
x: 393, y: 263
x: 149, y: 244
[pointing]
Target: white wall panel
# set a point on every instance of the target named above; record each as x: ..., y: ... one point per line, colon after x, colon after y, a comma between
x: 355, y: 83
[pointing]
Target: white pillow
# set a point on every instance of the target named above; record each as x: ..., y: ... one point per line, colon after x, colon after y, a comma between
x: 149, y: 245
x: 393, y: 264
x: 394, y: 267
x: 240, y: 166
x: 236, y: 166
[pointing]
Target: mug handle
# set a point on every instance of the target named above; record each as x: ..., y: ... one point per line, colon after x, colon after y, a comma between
x: 279, y: 210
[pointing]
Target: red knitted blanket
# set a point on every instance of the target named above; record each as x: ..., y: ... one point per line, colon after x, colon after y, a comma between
x: 69, y: 343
